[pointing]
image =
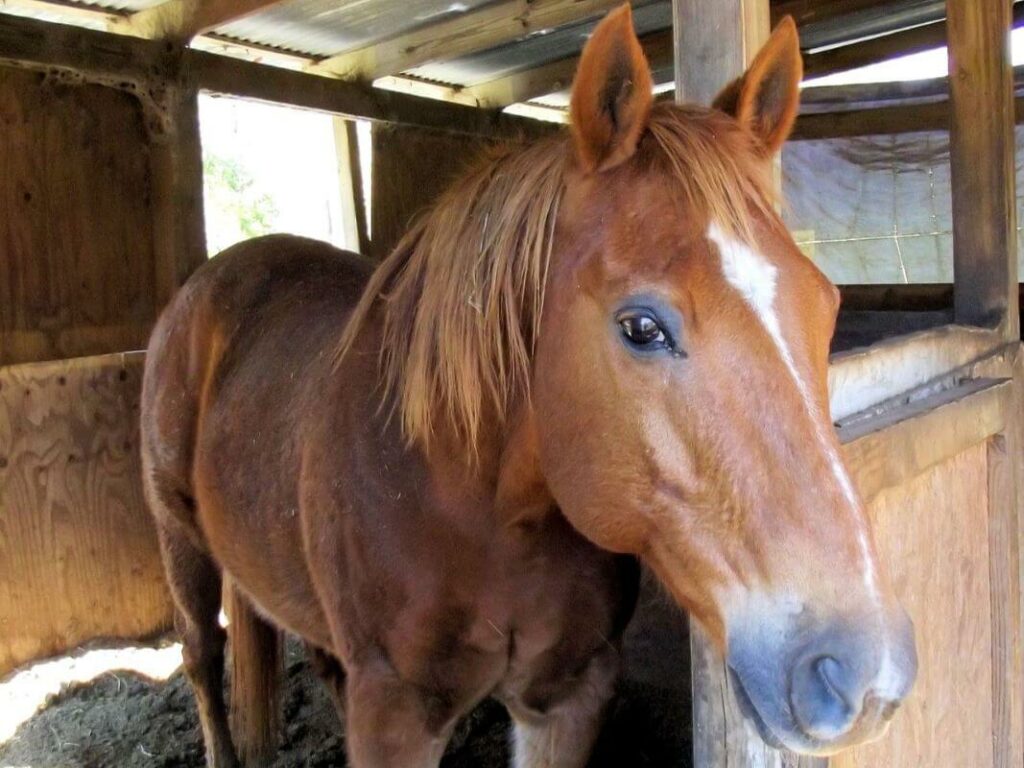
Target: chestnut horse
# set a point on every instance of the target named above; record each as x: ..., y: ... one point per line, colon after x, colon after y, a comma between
x: 600, y: 348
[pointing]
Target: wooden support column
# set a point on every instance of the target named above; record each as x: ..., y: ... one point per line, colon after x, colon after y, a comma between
x: 714, y: 42
x: 176, y: 172
x: 982, y: 164
x: 350, y: 184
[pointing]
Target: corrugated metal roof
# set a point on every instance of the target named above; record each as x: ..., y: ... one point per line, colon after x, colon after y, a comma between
x: 538, y: 48
x: 323, y: 28
x: 120, y: 5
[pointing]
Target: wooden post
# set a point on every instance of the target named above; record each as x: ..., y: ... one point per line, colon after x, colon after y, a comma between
x: 176, y: 169
x: 981, y: 150
x: 714, y: 43
x: 350, y: 183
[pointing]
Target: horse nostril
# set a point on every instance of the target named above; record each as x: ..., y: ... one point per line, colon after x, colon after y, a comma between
x: 830, y: 671
x: 819, y: 698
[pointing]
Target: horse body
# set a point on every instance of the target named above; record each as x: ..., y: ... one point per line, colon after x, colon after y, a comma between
x: 398, y: 562
x: 599, y: 347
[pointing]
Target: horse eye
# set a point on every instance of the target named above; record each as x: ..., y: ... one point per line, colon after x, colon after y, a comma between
x: 642, y: 330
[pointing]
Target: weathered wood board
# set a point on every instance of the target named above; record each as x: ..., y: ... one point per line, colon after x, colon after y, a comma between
x: 933, y: 534
x: 411, y: 168
x: 78, y: 552
x: 77, y: 267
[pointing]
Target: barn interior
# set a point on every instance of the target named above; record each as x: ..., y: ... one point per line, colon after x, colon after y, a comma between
x: 903, y: 188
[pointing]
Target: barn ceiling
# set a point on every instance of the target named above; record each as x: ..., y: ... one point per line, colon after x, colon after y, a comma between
x: 491, y: 53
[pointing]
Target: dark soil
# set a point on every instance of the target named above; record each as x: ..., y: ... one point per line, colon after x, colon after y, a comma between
x: 125, y: 720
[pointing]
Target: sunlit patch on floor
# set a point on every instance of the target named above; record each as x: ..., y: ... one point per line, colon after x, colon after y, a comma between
x: 25, y: 691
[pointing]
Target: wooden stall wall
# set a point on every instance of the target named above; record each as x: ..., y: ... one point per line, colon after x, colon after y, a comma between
x: 76, y: 238
x: 78, y: 556
x: 100, y: 189
x: 933, y: 533
x: 411, y: 168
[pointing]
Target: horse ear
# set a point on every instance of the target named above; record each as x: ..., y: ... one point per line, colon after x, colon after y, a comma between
x: 612, y: 94
x: 766, y: 98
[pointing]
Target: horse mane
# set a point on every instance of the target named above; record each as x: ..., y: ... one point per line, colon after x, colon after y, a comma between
x: 461, y: 295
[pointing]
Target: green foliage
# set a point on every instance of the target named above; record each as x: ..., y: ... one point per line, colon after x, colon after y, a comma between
x: 236, y: 209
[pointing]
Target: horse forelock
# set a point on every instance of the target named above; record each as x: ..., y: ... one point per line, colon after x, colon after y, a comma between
x: 461, y: 296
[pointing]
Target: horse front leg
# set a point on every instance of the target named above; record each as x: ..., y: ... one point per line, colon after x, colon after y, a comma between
x: 564, y: 735
x: 391, y: 723
x: 330, y: 672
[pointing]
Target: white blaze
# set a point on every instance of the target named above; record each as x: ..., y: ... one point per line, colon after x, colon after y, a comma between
x: 756, y: 278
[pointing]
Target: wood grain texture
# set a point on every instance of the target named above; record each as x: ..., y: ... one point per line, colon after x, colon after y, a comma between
x: 1004, y: 573
x: 468, y: 32
x: 714, y: 43
x: 891, y: 449
x: 77, y: 268
x: 721, y: 739
x: 933, y: 535
x: 78, y: 552
x: 176, y: 180
x: 411, y: 167
x: 981, y: 152
x: 1005, y: 569
x: 862, y: 378
x: 147, y: 66
x: 181, y: 20
x: 558, y: 75
x: 904, y: 118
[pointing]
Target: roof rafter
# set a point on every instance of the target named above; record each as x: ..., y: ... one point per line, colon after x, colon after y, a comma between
x: 181, y: 20
x: 555, y: 76
x: 472, y: 31
x: 64, y: 9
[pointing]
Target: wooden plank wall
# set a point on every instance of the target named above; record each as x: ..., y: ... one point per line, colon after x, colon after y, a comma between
x: 77, y: 268
x: 411, y: 167
x: 78, y: 555
x: 933, y: 534
x: 101, y: 201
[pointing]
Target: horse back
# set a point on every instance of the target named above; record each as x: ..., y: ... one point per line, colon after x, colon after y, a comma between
x: 228, y: 364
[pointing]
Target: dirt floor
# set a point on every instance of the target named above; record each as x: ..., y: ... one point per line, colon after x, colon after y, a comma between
x: 124, y: 719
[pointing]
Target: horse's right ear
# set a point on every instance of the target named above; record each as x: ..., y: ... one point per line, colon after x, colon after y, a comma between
x: 612, y: 94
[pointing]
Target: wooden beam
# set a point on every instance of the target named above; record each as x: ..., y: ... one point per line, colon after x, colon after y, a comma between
x: 810, y: 11
x: 879, y: 49
x: 65, y: 10
x: 145, y: 67
x: 471, y: 31
x: 906, y: 118
x: 554, y: 76
x: 982, y: 164
x: 181, y: 20
x: 899, y: 445
x: 874, y: 50
x: 227, y: 76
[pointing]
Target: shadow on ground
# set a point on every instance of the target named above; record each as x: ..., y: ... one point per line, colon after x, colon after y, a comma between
x: 124, y: 720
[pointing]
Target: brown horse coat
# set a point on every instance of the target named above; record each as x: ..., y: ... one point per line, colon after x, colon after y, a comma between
x: 601, y: 343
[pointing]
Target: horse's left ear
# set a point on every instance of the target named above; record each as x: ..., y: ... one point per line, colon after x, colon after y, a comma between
x: 611, y: 95
x: 766, y: 99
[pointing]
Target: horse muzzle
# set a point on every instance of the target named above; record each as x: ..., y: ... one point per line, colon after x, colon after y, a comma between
x: 818, y: 690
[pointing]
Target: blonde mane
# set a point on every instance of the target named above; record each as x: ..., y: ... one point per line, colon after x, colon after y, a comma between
x: 461, y: 296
